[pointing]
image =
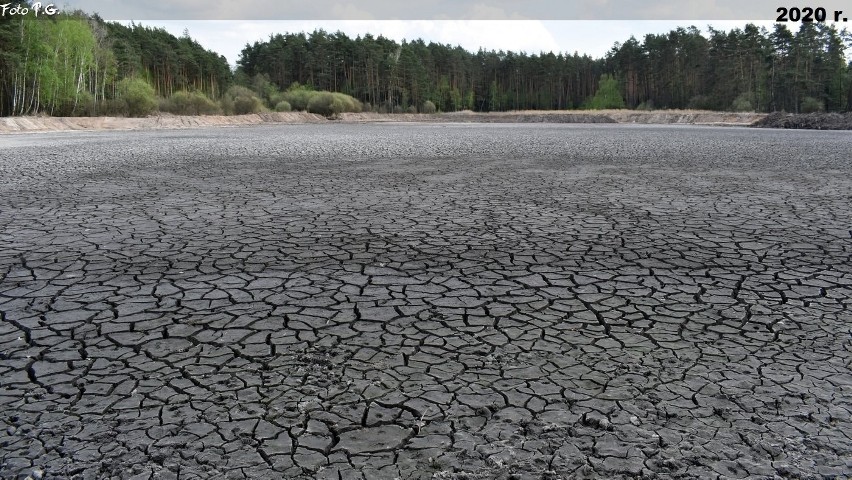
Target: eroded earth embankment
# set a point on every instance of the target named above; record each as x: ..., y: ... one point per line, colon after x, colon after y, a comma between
x: 43, y: 124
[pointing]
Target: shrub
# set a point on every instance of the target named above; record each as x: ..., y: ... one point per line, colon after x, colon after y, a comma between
x: 332, y: 104
x: 189, y: 103
x: 247, y: 105
x: 203, y: 105
x: 811, y: 105
x: 700, y: 102
x: 412, y: 109
x: 276, y: 98
x: 283, y: 106
x: 608, y: 95
x: 263, y: 87
x: 138, y: 97
x: 86, y: 106
x: 83, y: 105
x: 241, y: 101
x: 647, y: 105
x: 298, y: 98
x: 743, y: 103
x: 428, y: 107
x: 112, y: 107
x: 350, y: 104
x: 325, y: 103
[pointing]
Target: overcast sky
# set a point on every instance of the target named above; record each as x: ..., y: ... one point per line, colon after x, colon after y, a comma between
x: 585, y: 26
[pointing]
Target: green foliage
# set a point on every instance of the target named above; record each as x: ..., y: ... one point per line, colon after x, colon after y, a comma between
x: 239, y: 100
x: 283, y: 106
x: 137, y: 96
x: 469, y: 100
x: 743, y: 103
x: 298, y: 98
x: 83, y: 106
x: 608, y: 95
x: 811, y: 105
x: 428, y: 107
x: 332, y: 104
x: 247, y: 105
x: 350, y: 104
x: 189, y: 103
x: 456, y: 99
x: 647, y: 105
x: 411, y: 109
x: 325, y: 104
x: 700, y: 102
x: 169, y: 63
x: 494, y: 97
x: 72, y: 64
x: 264, y: 89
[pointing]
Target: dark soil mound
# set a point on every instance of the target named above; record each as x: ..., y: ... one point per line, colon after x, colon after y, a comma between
x: 811, y: 121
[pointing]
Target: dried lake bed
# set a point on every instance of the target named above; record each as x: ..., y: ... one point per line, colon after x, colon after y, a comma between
x: 426, y: 301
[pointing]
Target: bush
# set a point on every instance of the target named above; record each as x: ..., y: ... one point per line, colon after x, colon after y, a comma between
x: 263, y: 87
x: 647, y: 105
x: 811, y: 105
x: 332, y: 104
x: 84, y: 106
x: 298, y: 98
x: 743, y: 103
x: 112, y: 107
x: 241, y: 101
x: 138, y: 97
x: 283, y: 106
x: 246, y: 105
x: 608, y: 95
x: 325, y: 103
x: 412, y: 109
x: 350, y: 104
x: 276, y: 98
x: 203, y: 105
x: 428, y: 107
x: 700, y: 102
x: 189, y: 103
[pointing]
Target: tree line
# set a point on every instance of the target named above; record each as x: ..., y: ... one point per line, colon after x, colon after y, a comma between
x: 79, y: 64
x: 742, y: 69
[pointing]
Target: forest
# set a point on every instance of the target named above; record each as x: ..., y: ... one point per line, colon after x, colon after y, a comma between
x: 76, y: 63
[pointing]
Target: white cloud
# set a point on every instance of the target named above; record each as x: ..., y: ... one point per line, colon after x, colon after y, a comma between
x: 350, y: 11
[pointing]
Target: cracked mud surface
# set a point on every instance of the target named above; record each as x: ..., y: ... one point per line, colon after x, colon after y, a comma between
x: 429, y: 301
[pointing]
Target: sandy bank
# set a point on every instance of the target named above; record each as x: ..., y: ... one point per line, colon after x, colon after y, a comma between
x: 48, y: 124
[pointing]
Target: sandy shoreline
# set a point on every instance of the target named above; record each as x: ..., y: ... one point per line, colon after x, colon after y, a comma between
x: 55, y: 124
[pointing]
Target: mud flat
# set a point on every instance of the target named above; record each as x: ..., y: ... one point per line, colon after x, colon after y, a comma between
x: 439, y: 301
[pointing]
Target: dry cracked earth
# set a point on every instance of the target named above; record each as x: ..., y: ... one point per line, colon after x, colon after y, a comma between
x: 426, y: 301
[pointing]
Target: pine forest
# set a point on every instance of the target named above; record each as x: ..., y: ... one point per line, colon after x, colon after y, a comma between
x: 77, y: 64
